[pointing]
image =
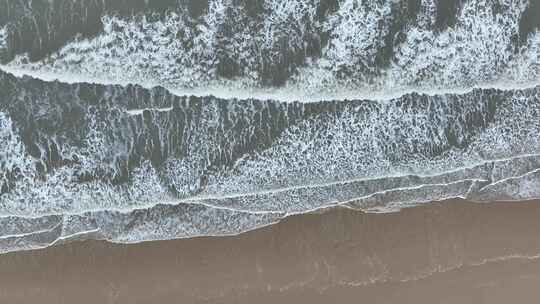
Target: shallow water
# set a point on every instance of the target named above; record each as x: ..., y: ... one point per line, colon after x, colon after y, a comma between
x: 143, y: 122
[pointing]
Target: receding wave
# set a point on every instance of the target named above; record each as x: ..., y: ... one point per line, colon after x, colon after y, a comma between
x: 182, y: 118
x: 129, y: 164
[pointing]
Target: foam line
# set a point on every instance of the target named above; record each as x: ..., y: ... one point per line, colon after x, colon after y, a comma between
x: 284, y: 94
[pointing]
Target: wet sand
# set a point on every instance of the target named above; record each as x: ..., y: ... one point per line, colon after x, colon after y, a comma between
x: 451, y: 252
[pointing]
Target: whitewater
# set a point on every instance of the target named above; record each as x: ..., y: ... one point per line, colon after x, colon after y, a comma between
x: 182, y: 119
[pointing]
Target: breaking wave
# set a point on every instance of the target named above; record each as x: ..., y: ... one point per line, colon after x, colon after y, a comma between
x: 286, y: 50
x: 176, y: 119
x: 129, y: 164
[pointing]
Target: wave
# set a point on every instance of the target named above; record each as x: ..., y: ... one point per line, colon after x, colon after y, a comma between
x: 173, y: 119
x: 284, y: 50
x: 235, y: 89
x: 128, y: 164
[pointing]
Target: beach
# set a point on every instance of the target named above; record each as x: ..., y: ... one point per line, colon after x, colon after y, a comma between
x: 445, y: 252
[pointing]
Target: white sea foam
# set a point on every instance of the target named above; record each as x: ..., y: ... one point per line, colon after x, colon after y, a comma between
x: 60, y: 193
x: 354, y: 148
x: 382, y: 200
x: 477, y: 52
x: 480, y: 48
x: 373, y: 156
x: 3, y: 37
x: 293, y: 92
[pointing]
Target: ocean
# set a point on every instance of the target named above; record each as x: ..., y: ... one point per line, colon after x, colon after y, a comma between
x: 134, y: 121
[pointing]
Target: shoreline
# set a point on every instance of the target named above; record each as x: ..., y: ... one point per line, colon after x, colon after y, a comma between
x: 337, y: 254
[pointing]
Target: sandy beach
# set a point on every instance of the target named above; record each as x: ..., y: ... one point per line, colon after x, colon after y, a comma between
x: 450, y: 252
